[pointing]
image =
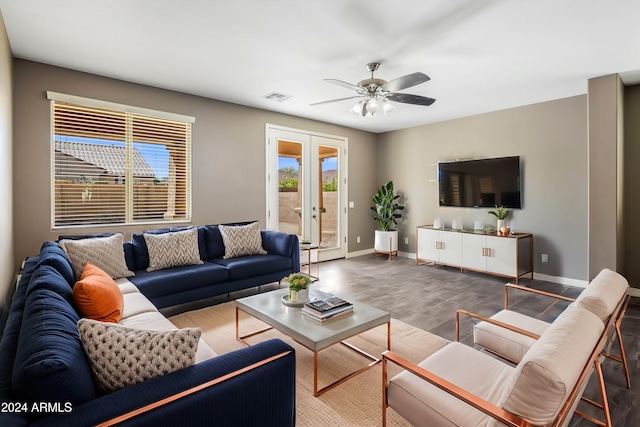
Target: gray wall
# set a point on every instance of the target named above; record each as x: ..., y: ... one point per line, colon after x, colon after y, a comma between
x: 7, y: 265
x: 551, y: 140
x: 228, y: 153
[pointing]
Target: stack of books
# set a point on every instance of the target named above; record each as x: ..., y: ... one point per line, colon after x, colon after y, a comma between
x: 328, y: 308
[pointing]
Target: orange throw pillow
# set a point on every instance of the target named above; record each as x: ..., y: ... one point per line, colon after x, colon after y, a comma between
x: 97, y: 296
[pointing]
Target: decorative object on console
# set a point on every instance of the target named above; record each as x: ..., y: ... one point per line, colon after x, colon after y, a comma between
x: 478, y: 225
x: 298, y: 287
x: 438, y: 223
x: 386, y: 212
x: 501, y: 213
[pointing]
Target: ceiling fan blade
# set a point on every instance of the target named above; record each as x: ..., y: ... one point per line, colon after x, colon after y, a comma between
x: 335, y: 100
x: 411, y: 99
x: 344, y: 84
x: 405, y: 82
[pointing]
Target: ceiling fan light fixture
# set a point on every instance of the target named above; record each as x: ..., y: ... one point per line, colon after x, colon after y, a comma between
x: 357, y: 109
x: 386, y: 106
x: 372, y: 106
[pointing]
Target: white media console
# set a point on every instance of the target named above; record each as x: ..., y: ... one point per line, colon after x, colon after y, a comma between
x: 508, y: 256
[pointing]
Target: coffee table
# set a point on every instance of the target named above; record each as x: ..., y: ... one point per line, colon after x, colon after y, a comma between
x: 313, y: 335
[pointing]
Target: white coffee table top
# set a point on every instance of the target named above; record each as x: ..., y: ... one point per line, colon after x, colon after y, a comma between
x: 314, y: 335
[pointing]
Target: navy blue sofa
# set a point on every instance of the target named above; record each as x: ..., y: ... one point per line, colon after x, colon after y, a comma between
x: 45, y: 378
x: 216, y: 276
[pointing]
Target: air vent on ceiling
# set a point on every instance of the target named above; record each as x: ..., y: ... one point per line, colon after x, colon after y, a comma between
x: 278, y: 97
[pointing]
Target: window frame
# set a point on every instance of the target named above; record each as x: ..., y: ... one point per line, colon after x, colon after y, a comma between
x: 128, y: 111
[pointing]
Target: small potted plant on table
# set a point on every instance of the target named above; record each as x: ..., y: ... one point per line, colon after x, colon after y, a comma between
x: 298, y: 287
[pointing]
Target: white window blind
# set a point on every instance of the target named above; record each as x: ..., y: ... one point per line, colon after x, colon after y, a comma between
x: 118, y: 167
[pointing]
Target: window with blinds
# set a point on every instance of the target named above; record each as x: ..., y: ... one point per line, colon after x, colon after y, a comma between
x: 112, y: 166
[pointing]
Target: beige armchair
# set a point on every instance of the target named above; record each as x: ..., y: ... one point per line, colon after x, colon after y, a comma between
x: 510, y: 334
x: 461, y: 386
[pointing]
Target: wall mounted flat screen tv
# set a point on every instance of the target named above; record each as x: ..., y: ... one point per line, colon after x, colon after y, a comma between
x: 480, y: 183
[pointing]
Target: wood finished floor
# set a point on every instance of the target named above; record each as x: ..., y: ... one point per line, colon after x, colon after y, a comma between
x: 427, y: 296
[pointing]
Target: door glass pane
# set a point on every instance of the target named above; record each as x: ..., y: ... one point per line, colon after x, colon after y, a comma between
x: 290, y: 187
x: 329, y: 196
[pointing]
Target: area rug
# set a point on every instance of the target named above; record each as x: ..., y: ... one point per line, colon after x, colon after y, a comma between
x: 356, y: 402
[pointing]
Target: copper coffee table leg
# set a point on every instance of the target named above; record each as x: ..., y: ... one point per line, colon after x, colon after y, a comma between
x: 374, y: 361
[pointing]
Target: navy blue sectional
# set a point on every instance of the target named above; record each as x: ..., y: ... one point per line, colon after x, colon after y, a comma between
x: 45, y: 378
x: 216, y: 276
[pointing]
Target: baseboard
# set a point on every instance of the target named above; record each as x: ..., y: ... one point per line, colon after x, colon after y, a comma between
x: 634, y: 292
x: 561, y: 280
x: 360, y: 253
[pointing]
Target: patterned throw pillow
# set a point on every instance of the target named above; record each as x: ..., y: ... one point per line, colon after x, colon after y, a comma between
x: 173, y: 249
x: 241, y: 240
x: 121, y: 357
x: 106, y: 253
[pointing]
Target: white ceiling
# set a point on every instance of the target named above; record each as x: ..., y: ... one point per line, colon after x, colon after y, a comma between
x: 481, y: 55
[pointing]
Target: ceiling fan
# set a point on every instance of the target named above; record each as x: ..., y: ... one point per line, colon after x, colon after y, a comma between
x: 375, y: 94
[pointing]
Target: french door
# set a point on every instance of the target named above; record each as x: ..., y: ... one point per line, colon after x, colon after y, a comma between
x: 306, y: 188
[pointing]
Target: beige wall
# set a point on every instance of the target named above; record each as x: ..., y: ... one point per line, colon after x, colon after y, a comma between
x: 550, y: 139
x: 228, y: 147
x: 631, y: 224
x: 7, y: 265
x: 605, y: 170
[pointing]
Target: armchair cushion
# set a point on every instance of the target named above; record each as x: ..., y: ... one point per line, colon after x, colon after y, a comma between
x: 423, y: 404
x: 511, y: 345
x: 603, y: 293
x: 543, y: 379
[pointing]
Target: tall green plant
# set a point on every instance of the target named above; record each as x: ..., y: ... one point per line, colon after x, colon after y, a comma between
x: 386, y: 207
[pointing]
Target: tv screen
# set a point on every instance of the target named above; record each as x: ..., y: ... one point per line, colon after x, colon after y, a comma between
x: 480, y: 183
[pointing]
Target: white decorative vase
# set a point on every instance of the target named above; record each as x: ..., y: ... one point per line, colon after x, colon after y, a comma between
x: 386, y: 242
x: 299, y: 296
x: 499, y: 225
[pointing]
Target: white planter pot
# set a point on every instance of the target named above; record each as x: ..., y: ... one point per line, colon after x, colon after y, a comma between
x: 299, y: 296
x: 386, y: 242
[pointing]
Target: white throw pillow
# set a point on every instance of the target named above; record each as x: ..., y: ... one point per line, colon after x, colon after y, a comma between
x: 121, y: 357
x: 106, y: 253
x: 241, y: 240
x: 173, y: 249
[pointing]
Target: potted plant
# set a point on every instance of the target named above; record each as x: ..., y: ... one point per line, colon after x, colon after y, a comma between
x: 501, y: 213
x: 298, y: 287
x: 386, y: 211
